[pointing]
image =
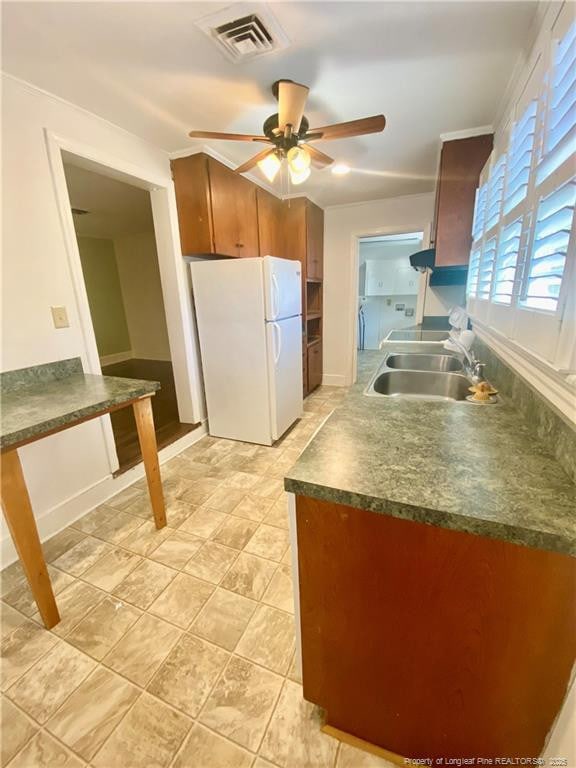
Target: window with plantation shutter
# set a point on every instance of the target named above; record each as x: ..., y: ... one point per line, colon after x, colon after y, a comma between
x: 560, y: 127
x: 479, y: 211
x: 507, y: 263
x: 520, y: 158
x: 552, y: 229
x: 486, y: 270
x: 495, y: 193
x: 521, y: 288
x: 473, y: 270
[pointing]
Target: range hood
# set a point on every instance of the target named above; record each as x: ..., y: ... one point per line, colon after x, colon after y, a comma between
x: 424, y: 260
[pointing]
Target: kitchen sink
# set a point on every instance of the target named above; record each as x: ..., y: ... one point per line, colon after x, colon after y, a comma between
x: 421, y: 384
x: 417, y: 362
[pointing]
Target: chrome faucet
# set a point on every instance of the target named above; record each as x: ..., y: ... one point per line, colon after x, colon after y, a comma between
x: 475, y: 367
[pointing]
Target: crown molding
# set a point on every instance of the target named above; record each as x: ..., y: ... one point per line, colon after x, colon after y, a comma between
x: 467, y: 133
x: 211, y: 152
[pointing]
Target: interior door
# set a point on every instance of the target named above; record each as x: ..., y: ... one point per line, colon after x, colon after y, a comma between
x: 284, y: 341
x: 282, y: 287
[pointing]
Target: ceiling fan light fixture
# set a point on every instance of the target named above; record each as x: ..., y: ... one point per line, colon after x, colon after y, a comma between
x: 270, y: 166
x: 298, y: 177
x: 298, y: 159
x: 340, y: 169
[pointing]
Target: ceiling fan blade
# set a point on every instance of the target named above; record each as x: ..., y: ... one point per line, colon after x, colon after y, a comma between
x: 360, y: 127
x: 227, y: 136
x: 254, y: 160
x: 291, y: 102
x: 318, y: 158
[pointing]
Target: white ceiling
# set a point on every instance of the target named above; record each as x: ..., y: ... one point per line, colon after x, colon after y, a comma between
x: 114, y: 207
x: 430, y: 67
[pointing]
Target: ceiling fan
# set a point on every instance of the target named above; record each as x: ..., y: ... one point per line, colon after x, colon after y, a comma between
x: 289, y: 135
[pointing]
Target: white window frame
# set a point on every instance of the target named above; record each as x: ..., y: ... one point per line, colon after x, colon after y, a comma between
x: 544, y: 341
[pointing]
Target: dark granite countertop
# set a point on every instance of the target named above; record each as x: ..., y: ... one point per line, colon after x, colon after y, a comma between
x: 456, y: 465
x: 43, y: 399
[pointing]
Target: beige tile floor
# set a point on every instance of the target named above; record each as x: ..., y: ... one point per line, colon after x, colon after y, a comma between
x: 176, y: 647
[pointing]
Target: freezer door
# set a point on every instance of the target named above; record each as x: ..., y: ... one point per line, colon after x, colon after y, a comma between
x: 284, y: 341
x: 282, y: 287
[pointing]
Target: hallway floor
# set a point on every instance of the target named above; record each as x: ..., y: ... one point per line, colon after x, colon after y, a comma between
x: 167, y: 424
x: 176, y: 647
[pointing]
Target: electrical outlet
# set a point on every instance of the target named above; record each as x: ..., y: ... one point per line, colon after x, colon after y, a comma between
x: 60, y: 317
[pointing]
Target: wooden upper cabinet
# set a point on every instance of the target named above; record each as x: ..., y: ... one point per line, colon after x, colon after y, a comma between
x: 461, y: 162
x: 192, y: 187
x: 234, y: 213
x: 295, y: 229
x: 270, y: 224
x: 304, y: 233
x: 315, y: 241
x: 216, y: 208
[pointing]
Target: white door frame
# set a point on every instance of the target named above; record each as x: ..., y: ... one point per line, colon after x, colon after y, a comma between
x: 173, y: 274
x: 355, y: 280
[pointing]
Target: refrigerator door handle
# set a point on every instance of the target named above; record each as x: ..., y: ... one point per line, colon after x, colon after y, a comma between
x: 277, y: 342
x: 275, y: 296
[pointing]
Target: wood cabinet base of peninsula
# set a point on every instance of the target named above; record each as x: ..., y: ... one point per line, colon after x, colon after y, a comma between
x: 430, y: 642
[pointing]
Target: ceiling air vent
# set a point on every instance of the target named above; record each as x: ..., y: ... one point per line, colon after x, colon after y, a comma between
x: 244, y: 31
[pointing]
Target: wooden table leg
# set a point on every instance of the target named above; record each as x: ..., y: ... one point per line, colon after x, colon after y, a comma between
x: 147, y: 437
x: 22, y: 525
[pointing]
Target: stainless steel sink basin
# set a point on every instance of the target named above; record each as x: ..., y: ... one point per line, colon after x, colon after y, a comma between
x: 421, y: 384
x: 410, y: 362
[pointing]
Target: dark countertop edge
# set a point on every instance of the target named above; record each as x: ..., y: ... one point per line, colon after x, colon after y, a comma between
x: 490, y: 529
x: 58, y: 423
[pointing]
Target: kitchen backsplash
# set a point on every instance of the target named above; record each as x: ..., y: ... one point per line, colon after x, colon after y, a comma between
x: 551, y: 427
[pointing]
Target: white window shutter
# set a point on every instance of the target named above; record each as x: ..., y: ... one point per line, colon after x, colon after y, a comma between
x: 495, y: 193
x: 552, y: 230
x: 507, y: 259
x: 520, y: 158
x: 486, y: 271
x: 559, y: 141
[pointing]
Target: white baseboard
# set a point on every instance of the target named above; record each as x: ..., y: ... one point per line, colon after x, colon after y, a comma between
x: 117, y: 357
x: 334, y: 380
x: 54, y: 520
x: 162, y: 356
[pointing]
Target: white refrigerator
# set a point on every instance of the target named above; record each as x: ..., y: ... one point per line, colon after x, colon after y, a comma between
x: 249, y: 315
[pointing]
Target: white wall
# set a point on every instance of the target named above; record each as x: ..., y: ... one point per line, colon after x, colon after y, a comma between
x: 441, y: 298
x: 137, y: 261
x: 342, y: 225
x: 62, y: 471
x: 380, y: 312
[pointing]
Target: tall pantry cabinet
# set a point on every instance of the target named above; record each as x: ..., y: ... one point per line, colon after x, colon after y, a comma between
x: 224, y: 215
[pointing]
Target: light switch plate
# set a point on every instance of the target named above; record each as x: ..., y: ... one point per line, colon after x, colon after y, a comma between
x: 60, y: 317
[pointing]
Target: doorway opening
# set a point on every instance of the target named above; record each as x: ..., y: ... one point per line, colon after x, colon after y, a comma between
x: 388, y: 287
x: 117, y: 246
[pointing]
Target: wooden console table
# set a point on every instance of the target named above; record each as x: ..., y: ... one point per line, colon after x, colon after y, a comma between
x: 43, y: 400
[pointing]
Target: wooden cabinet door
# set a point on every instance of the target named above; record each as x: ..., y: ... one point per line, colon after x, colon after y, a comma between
x: 315, y: 241
x: 314, y: 366
x: 304, y: 367
x: 294, y: 225
x: 270, y: 224
x: 460, y: 164
x: 234, y: 214
x: 191, y: 185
